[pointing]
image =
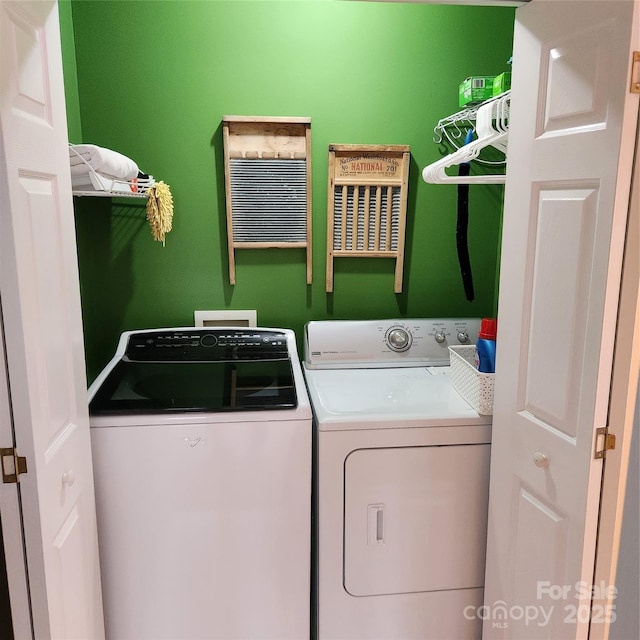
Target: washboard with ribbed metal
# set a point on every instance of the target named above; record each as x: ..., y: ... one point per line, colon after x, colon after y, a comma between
x: 268, y: 184
x: 367, y: 204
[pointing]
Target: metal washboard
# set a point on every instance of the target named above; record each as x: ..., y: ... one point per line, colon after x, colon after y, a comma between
x: 268, y: 184
x: 367, y: 204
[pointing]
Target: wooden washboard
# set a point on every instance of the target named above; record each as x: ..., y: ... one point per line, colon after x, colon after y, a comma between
x: 267, y: 170
x: 370, y: 180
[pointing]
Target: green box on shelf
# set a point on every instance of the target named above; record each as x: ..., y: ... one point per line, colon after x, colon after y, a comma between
x: 475, y: 89
x: 502, y: 83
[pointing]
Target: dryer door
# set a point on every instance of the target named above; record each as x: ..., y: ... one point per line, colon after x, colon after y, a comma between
x: 415, y: 519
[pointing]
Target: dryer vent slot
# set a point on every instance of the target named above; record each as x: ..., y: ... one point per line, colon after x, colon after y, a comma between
x: 376, y: 524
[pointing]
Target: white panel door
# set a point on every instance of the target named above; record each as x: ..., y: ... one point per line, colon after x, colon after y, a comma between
x: 11, y: 524
x: 571, y: 143
x: 43, y: 330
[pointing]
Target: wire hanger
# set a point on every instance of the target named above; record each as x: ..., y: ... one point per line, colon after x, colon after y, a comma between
x: 492, y: 129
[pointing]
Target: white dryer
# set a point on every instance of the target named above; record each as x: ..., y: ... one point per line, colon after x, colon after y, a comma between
x: 401, y: 482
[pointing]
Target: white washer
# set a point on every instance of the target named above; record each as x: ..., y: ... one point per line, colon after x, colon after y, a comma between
x: 401, y: 483
x: 202, y: 453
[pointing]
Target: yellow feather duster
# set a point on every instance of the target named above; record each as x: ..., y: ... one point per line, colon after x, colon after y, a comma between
x: 160, y: 210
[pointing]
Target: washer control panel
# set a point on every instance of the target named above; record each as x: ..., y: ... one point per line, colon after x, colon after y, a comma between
x: 205, y: 344
x: 386, y: 343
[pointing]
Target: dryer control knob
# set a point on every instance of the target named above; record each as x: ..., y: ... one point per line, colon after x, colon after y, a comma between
x: 440, y: 337
x: 463, y: 337
x: 398, y: 339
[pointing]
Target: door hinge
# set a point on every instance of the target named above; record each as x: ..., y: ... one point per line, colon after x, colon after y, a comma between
x: 605, y: 441
x: 635, y: 73
x: 12, y: 465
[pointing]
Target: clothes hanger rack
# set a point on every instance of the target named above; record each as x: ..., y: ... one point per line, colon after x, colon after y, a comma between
x: 491, y: 123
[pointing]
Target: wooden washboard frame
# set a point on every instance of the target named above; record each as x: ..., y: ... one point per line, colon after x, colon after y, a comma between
x: 267, y: 171
x: 371, y: 180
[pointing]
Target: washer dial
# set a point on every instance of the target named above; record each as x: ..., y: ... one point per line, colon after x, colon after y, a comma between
x: 208, y: 340
x: 398, y: 339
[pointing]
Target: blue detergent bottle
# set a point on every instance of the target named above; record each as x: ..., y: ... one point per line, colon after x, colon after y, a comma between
x: 486, y: 346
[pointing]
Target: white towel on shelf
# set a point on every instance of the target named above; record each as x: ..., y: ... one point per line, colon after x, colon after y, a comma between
x: 85, y: 156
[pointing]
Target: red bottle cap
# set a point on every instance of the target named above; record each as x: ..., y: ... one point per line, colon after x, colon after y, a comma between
x: 488, y: 328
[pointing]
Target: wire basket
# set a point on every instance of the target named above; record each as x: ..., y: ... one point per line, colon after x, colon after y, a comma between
x: 475, y: 387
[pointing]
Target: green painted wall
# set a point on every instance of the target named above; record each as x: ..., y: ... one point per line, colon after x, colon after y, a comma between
x: 70, y: 71
x: 154, y: 80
